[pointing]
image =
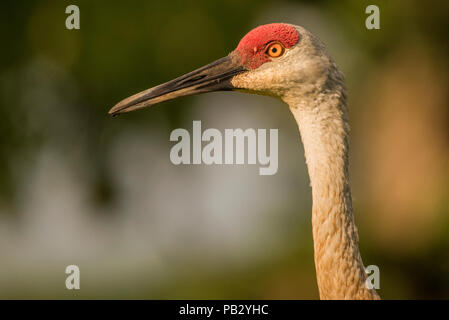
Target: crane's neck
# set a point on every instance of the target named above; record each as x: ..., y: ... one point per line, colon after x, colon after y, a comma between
x: 324, y: 128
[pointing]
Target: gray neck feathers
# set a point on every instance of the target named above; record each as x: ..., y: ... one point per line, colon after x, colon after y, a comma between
x: 323, y: 124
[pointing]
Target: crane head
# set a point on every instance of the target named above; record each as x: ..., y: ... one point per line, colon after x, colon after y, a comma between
x: 269, y: 60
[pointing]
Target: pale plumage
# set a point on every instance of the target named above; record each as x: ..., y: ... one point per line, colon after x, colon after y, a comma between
x: 305, y: 77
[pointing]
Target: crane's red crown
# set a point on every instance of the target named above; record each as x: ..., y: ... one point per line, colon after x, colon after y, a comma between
x: 253, y: 45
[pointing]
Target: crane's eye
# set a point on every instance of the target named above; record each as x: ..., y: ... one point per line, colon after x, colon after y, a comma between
x: 275, y: 50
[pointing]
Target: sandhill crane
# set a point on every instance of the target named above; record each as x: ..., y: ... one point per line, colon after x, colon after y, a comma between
x: 289, y: 63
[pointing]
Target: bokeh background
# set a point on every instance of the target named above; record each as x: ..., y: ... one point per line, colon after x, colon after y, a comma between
x: 79, y: 187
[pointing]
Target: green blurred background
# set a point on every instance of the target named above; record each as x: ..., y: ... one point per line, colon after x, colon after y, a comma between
x: 79, y: 187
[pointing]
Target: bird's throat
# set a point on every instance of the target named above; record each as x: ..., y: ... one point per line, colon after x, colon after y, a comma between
x: 324, y: 132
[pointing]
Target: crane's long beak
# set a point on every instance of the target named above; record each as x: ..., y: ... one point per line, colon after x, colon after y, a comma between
x: 215, y: 76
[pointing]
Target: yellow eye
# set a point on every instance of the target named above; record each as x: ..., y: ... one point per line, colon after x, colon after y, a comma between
x: 275, y: 50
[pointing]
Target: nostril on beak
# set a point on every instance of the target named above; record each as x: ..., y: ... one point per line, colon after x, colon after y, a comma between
x: 192, y: 80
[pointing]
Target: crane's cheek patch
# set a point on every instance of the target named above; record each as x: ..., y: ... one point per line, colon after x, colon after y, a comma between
x: 251, y: 47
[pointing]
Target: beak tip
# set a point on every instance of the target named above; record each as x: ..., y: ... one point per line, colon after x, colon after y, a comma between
x: 112, y: 112
x: 117, y: 109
